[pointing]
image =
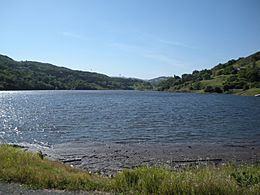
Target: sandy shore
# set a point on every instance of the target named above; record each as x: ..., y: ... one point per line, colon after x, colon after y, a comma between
x: 108, y: 159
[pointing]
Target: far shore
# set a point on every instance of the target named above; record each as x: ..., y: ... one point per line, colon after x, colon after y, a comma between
x: 255, y: 92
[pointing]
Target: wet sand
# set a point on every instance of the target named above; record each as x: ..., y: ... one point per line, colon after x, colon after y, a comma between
x: 108, y: 159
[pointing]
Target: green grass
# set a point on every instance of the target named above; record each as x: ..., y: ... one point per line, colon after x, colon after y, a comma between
x: 209, y: 180
x: 215, y: 82
x: 250, y: 92
x: 27, y: 168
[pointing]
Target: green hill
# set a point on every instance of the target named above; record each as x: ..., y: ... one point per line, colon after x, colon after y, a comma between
x: 241, y: 76
x: 28, y: 75
x: 157, y: 80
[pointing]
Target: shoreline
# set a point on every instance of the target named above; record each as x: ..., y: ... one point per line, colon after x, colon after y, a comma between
x: 245, y: 93
x: 109, y: 159
x: 35, y: 174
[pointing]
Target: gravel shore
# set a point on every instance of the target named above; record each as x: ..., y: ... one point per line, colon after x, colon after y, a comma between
x: 108, y: 159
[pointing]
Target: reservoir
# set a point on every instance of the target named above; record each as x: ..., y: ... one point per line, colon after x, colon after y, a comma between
x: 55, y: 117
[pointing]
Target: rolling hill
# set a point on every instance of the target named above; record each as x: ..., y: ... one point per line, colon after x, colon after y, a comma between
x: 241, y: 76
x: 29, y: 75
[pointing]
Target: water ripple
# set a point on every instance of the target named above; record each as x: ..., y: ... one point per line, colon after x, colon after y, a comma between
x: 50, y: 117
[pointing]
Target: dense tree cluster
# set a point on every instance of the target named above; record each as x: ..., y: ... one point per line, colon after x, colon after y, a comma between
x: 191, y: 80
x: 243, y: 73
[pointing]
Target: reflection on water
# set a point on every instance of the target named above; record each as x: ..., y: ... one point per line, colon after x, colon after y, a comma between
x: 49, y: 117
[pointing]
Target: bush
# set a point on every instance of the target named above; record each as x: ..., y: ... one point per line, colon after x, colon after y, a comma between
x: 210, y: 89
x: 218, y: 90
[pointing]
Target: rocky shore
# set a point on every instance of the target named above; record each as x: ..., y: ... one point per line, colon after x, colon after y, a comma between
x: 108, y: 159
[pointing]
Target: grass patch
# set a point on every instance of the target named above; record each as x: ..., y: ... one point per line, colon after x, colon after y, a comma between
x: 209, y: 180
x: 250, y: 92
x: 27, y: 168
x: 215, y: 82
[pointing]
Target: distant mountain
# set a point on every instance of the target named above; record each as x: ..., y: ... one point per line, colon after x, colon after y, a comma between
x: 29, y: 75
x: 158, y: 80
x: 241, y: 76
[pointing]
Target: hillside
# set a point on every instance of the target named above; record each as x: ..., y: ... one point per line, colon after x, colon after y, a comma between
x: 29, y: 75
x: 241, y: 76
x: 157, y: 80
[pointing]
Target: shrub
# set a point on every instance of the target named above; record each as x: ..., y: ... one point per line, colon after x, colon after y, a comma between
x: 210, y: 89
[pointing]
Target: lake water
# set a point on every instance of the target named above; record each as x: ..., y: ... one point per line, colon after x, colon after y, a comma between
x: 52, y: 117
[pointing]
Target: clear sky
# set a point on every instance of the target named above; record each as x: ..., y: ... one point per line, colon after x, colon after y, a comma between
x: 131, y: 38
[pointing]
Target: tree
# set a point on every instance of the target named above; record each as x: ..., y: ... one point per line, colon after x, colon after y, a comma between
x: 196, y: 86
x: 253, y: 75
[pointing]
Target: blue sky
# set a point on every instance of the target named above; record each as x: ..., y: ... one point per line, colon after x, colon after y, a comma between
x: 131, y: 38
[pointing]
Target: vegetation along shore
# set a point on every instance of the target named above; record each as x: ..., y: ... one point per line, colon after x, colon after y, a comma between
x: 241, y: 77
x: 36, y: 172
